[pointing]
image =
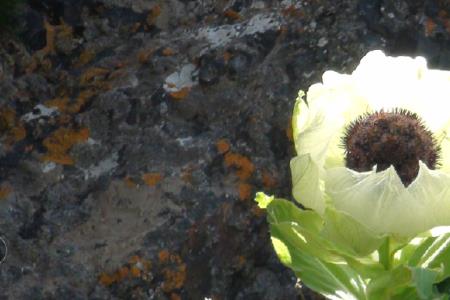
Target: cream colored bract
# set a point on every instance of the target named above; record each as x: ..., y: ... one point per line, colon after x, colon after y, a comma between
x: 379, y: 201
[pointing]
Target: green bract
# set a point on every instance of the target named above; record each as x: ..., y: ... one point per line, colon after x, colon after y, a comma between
x: 367, y: 236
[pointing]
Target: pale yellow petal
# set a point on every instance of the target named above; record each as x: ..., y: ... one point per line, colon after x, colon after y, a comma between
x: 319, y: 123
x: 382, y: 203
x: 389, y: 82
x: 307, y: 185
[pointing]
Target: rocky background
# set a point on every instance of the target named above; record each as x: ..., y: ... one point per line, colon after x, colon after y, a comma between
x: 135, y: 133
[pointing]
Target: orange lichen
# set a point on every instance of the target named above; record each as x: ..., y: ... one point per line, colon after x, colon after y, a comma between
x: 11, y: 128
x: 122, y: 273
x: 152, y: 179
x: 174, y: 296
x: 243, y: 164
x: 174, y: 271
x: 145, y: 55
x: 60, y: 103
x: 258, y: 212
x: 231, y: 14
x: 106, y: 279
x: 60, y: 142
x: 93, y: 74
x: 85, y: 57
x: 430, y: 26
x: 227, y: 56
x: 135, y: 27
x: 240, y: 261
x: 181, y: 94
x: 153, y: 14
x: 222, y: 146
x: 137, y: 267
x: 5, y: 190
x: 50, y: 35
x: 268, y: 180
x: 168, y: 51
x: 245, y: 191
x: 135, y: 271
x: 134, y: 259
x: 18, y: 133
x: 292, y: 11
x: 129, y: 182
x: 64, y: 105
x: 164, y: 256
x: 174, y: 278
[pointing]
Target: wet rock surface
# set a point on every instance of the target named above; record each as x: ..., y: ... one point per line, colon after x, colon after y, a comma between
x: 134, y: 135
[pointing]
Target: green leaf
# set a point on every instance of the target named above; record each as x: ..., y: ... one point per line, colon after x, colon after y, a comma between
x: 423, y: 280
x: 332, y: 280
x: 437, y: 256
x: 389, y: 283
x: 280, y: 210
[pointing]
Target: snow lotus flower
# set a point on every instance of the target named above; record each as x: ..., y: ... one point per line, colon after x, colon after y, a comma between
x: 378, y: 200
x: 373, y: 172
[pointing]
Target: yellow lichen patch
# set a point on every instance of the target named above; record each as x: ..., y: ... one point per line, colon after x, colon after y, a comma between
x: 222, y: 146
x: 60, y: 142
x: 93, y: 74
x: 5, y: 190
x: 153, y: 15
x: 245, y: 191
x: 245, y: 167
x: 181, y: 94
x: 152, y: 179
x: 231, y: 14
x: 168, y: 51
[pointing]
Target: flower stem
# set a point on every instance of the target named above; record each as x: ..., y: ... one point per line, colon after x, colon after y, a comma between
x: 384, y: 254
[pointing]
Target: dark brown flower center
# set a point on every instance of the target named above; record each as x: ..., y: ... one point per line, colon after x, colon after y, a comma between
x: 396, y: 138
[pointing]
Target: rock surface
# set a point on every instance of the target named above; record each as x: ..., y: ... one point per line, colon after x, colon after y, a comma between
x: 134, y: 135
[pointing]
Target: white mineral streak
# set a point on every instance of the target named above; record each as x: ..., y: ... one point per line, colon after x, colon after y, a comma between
x: 186, y: 77
x: 104, y: 166
x: 218, y: 36
x: 223, y: 35
x: 39, y: 111
x: 48, y: 167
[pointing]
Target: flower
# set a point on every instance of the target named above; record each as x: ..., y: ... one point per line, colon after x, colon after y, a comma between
x: 395, y: 89
x: 373, y: 167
